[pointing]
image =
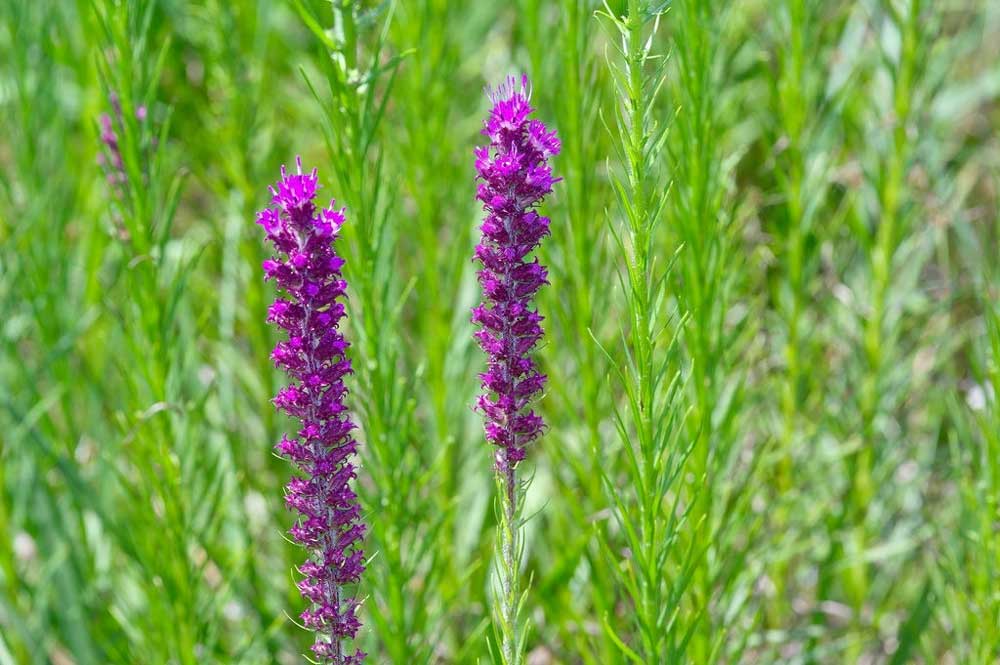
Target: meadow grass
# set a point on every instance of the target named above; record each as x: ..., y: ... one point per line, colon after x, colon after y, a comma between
x: 772, y: 328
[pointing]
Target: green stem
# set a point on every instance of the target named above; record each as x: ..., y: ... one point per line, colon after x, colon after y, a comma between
x: 641, y: 330
x: 876, y: 338
x: 510, y: 565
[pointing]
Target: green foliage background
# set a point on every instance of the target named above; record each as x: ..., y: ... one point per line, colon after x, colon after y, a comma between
x: 773, y: 328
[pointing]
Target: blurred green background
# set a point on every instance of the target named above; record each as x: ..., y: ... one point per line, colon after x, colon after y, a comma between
x: 826, y: 265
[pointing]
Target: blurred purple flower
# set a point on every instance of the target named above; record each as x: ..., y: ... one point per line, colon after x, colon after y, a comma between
x: 112, y: 159
x: 307, y: 269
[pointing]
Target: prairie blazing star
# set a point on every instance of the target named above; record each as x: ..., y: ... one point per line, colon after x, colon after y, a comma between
x: 514, y: 177
x: 111, y: 159
x: 329, y: 526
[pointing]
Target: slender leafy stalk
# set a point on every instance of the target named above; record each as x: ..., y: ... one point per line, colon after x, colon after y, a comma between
x: 804, y: 112
x: 648, y: 423
x: 880, y: 332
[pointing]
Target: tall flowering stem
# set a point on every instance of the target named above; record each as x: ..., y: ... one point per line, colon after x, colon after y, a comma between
x: 514, y: 177
x: 329, y: 526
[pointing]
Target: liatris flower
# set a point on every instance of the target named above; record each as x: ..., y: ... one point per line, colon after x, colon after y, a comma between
x: 115, y: 169
x: 307, y: 269
x: 112, y: 162
x: 515, y: 177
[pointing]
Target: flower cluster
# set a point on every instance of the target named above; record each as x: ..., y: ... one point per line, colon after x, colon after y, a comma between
x: 308, y: 270
x: 514, y: 177
x: 111, y: 159
x: 112, y: 163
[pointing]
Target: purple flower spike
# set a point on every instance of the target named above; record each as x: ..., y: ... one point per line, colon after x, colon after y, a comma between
x: 514, y: 177
x: 307, y: 269
x: 111, y: 160
x: 114, y: 167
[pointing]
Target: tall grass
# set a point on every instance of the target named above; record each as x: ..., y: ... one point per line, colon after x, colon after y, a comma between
x: 771, y: 328
x: 711, y: 279
x: 804, y: 140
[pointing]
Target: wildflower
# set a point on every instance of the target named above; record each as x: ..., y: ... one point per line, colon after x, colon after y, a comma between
x: 114, y: 168
x: 111, y: 159
x: 307, y: 269
x: 515, y: 176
